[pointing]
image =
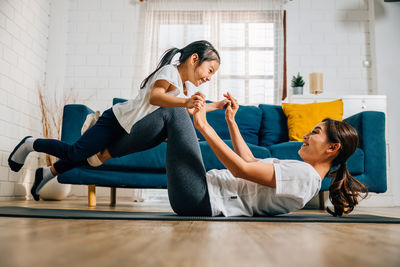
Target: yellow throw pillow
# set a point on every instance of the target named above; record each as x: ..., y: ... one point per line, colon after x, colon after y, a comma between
x: 301, y: 118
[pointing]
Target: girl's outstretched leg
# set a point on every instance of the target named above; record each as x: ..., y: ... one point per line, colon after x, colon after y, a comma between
x: 97, y: 138
x: 106, y: 131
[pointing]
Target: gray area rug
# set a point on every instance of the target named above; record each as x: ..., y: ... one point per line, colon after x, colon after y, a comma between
x: 10, y: 211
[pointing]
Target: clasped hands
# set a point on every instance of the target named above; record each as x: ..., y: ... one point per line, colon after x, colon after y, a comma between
x: 230, y: 105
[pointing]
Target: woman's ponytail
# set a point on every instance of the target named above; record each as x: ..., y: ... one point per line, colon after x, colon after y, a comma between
x: 165, y: 60
x: 344, y: 189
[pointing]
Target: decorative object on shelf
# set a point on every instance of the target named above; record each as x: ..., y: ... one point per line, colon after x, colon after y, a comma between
x: 297, y: 84
x: 316, y: 83
x: 352, y: 104
x: 52, y: 114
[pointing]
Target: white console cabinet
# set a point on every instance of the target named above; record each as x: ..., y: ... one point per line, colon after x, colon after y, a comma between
x: 352, y: 104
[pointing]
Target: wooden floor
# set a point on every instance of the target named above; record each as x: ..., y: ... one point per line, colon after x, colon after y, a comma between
x: 57, y: 242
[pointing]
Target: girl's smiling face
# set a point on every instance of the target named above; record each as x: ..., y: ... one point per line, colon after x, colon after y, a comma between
x: 315, y: 146
x: 201, y: 73
x: 204, y: 72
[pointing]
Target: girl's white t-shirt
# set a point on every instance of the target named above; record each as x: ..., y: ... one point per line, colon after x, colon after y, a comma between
x: 297, y: 183
x: 133, y: 110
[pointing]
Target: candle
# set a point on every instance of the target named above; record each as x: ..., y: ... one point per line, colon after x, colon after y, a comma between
x: 316, y: 83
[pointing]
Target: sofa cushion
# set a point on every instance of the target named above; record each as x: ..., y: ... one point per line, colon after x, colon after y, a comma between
x: 248, y: 119
x: 273, y: 125
x: 114, y: 178
x: 117, y: 100
x: 289, y: 150
x: 149, y: 160
x: 154, y: 159
x: 212, y: 162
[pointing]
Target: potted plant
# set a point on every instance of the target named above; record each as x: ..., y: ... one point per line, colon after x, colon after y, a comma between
x: 297, y: 84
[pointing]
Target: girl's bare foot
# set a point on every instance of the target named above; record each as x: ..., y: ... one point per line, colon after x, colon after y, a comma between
x: 99, y: 158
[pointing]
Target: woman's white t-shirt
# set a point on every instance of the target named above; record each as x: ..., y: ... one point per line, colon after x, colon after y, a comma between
x: 133, y: 110
x: 297, y: 183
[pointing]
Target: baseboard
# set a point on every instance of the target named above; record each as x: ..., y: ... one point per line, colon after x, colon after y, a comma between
x: 155, y: 195
x: 373, y: 199
x: 378, y: 200
x: 12, y: 198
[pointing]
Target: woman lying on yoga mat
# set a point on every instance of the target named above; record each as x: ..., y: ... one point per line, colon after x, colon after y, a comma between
x: 272, y: 186
x: 265, y: 187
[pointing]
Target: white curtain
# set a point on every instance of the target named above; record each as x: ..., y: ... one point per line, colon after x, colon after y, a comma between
x: 247, y: 34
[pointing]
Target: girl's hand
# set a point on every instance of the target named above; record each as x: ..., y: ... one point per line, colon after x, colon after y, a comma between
x: 199, y: 118
x: 195, y: 101
x: 232, y: 107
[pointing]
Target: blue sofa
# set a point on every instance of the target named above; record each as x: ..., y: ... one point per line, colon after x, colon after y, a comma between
x: 264, y: 128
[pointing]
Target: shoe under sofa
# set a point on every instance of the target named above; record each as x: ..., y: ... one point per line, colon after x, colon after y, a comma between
x: 263, y: 127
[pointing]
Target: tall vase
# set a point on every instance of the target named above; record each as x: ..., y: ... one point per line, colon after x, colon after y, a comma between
x: 53, y: 190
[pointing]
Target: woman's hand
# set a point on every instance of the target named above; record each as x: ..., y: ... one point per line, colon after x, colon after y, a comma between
x: 231, y: 108
x: 222, y: 104
x: 199, y: 118
x: 195, y: 101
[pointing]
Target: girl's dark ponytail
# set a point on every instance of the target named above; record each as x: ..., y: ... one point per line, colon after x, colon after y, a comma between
x: 344, y: 189
x: 165, y: 60
x: 202, y: 48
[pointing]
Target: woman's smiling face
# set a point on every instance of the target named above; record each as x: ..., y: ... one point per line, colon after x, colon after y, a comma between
x: 315, y: 144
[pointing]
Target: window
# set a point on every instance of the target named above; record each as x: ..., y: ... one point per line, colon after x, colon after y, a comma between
x: 246, y: 40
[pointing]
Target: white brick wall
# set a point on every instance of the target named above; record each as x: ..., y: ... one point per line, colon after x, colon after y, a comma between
x: 101, y: 50
x: 332, y: 37
x: 23, y: 50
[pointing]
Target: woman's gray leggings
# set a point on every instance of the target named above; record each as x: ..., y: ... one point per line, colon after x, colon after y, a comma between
x: 186, y: 174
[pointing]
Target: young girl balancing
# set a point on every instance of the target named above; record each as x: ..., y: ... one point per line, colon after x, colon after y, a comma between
x: 164, y: 87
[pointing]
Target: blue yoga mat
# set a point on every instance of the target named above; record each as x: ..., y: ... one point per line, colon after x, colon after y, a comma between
x: 10, y: 211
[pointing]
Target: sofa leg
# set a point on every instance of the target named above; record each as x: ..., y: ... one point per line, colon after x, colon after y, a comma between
x: 113, y: 198
x: 92, y: 195
x: 321, y: 200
